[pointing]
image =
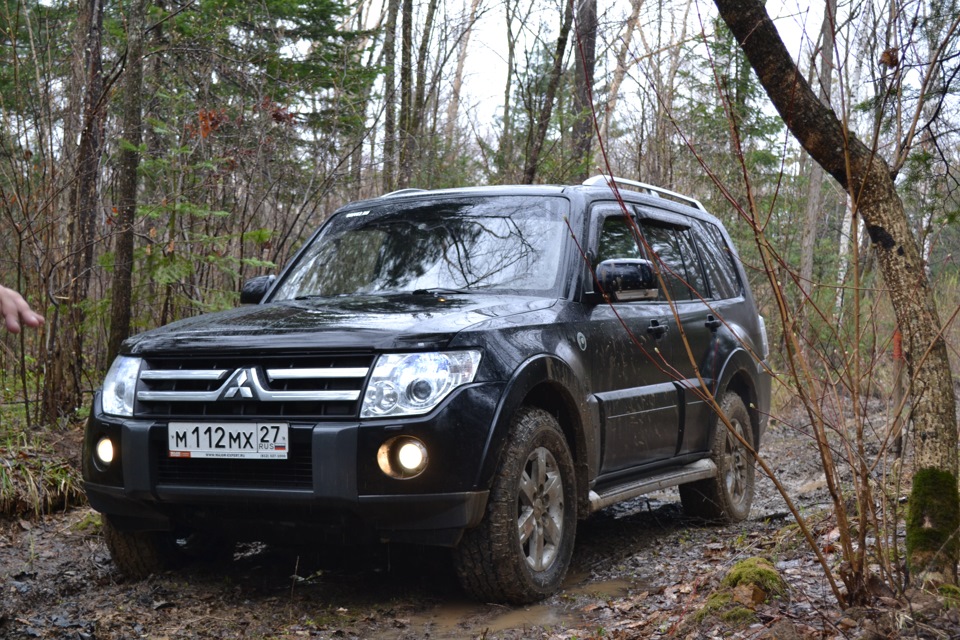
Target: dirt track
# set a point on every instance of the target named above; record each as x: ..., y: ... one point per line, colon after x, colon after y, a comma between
x: 640, y: 571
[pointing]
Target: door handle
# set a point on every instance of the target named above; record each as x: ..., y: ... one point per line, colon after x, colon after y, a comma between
x: 712, y: 322
x: 657, y: 328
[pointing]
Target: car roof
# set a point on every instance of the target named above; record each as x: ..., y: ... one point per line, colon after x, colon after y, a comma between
x: 595, y: 188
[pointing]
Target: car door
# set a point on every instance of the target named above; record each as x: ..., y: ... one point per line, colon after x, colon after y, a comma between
x: 623, y: 342
x: 725, y: 303
x: 683, y: 299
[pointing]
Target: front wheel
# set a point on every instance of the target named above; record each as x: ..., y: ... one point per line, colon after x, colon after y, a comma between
x: 138, y: 554
x: 726, y: 498
x: 521, y: 550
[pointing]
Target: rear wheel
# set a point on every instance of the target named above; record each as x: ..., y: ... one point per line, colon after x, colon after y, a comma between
x: 521, y: 550
x: 727, y: 497
x: 138, y: 554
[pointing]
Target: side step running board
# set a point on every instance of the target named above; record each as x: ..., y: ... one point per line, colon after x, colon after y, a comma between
x: 699, y: 470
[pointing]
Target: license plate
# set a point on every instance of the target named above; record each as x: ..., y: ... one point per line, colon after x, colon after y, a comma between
x: 257, y: 441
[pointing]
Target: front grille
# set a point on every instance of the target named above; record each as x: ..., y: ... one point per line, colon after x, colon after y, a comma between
x: 312, y: 387
x: 296, y: 472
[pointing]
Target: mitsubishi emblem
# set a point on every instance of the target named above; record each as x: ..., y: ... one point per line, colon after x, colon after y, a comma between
x: 242, y: 384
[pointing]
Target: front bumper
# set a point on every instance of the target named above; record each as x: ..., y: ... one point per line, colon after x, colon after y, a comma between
x: 330, y: 481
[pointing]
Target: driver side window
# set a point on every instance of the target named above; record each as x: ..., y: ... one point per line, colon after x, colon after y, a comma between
x: 618, y: 239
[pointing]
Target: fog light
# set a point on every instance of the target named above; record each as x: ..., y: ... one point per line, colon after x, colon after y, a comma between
x: 411, y: 455
x: 105, y: 450
x: 402, y: 457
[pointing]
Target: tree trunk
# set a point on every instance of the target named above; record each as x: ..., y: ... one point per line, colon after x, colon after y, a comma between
x: 812, y: 215
x: 933, y: 519
x: 543, y: 120
x: 449, y: 127
x: 585, y: 56
x: 63, y: 391
x: 619, y: 72
x: 121, y: 295
x: 389, y: 97
x: 406, y: 94
x: 505, y: 154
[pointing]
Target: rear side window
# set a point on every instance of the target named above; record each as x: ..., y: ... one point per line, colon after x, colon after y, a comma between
x: 718, y: 262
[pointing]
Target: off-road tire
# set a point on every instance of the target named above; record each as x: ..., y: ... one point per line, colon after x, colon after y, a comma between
x: 139, y: 554
x: 492, y: 562
x: 726, y: 498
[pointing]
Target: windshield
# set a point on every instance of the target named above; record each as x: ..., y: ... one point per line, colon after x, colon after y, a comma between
x: 500, y: 243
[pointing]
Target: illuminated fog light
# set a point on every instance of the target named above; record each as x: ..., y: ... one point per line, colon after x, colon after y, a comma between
x: 402, y: 458
x: 411, y: 455
x: 105, y: 450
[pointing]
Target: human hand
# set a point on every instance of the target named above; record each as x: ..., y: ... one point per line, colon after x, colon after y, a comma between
x: 15, y: 311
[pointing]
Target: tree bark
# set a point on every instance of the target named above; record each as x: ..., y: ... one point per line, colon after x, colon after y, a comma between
x: 585, y: 55
x: 389, y: 97
x: 63, y: 390
x: 121, y: 294
x: 406, y: 93
x: 867, y: 178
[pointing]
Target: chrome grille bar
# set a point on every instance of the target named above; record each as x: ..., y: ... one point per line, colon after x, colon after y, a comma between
x: 245, y: 383
x: 183, y: 374
x: 316, y: 372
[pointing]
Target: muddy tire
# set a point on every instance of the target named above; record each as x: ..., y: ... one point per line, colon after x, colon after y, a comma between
x: 521, y: 550
x: 139, y: 554
x: 726, y: 498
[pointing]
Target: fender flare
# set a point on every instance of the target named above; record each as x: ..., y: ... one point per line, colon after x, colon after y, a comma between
x: 739, y: 374
x: 580, y: 421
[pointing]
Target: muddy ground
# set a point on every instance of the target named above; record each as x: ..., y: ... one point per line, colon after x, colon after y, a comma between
x: 641, y: 570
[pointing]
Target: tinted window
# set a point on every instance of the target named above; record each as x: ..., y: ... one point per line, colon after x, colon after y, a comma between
x: 618, y: 239
x: 718, y: 262
x: 691, y: 263
x: 664, y: 242
x: 496, y: 243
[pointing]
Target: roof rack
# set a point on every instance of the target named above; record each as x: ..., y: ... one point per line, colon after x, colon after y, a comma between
x: 602, y: 180
x: 402, y: 192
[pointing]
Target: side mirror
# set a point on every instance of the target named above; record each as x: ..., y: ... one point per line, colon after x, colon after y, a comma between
x: 626, y: 279
x: 255, y: 288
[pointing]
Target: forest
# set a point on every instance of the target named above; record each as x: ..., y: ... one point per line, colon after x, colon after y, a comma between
x: 155, y: 154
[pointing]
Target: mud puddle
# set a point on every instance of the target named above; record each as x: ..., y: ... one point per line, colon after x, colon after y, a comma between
x: 453, y: 619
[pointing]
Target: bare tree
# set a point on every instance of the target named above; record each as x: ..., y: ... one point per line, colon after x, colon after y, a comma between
x: 542, y: 122
x: 585, y: 57
x: 934, y: 515
x: 121, y: 295
x: 62, y: 383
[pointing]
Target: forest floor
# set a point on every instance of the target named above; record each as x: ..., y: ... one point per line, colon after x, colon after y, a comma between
x: 640, y: 570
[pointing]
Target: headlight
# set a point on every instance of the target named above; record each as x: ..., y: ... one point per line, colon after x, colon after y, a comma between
x: 119, y: 386
x: 407, y: 384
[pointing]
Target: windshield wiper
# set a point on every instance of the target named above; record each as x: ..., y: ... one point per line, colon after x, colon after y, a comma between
x: 439, y: 290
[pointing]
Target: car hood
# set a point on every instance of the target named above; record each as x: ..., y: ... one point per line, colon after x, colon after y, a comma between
x: 358, y: 322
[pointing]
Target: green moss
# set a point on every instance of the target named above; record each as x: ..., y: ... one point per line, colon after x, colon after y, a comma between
x: 715, y: 604
x: 950, y: 595
x: 89, y: 523
x: 756, y: 571
x: 738, y: 615
x: 932, y: 519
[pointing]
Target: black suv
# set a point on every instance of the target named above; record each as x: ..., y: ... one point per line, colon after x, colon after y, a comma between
x: 475, y: 368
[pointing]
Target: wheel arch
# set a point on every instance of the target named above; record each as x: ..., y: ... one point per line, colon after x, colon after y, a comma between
x: 739, y: 375
x: 547, y: 383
